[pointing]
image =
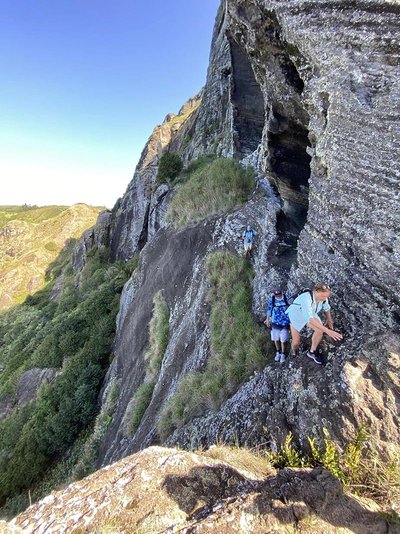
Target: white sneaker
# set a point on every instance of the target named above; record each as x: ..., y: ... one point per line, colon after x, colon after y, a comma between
x: 282, y: 358
x: 278, y: 356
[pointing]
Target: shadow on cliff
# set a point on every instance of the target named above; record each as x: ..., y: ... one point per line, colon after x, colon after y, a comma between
x: 293, y: 495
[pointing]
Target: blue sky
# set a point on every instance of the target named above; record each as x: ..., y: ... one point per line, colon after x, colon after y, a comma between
x: 83, y: 83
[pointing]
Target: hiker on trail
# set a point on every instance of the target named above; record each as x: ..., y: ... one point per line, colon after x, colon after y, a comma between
x: 248, y: 236
x: 278, y: 320
x: 304, y: 312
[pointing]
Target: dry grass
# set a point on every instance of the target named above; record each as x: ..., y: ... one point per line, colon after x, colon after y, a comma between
x: 215, y: 186
x: 254, y: 462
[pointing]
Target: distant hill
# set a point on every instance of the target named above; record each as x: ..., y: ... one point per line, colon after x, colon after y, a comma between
x: 31, y: 238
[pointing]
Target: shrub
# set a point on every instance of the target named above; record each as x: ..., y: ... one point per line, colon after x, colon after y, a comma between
x: 237, y: 344
x: 213, y: 187
x: 169, y: 167
x: 76, y: 333
x: 358, y: 466
x: 90, y: 448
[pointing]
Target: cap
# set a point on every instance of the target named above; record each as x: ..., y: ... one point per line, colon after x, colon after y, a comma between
x: 277, y: 291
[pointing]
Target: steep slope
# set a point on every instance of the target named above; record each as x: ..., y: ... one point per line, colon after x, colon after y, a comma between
x: 30, y: 239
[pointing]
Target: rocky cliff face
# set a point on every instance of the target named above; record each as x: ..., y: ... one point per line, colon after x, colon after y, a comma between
x: 308, y: 93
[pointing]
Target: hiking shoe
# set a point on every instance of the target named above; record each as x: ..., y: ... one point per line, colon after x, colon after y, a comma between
x: 277, y: 356
x: 315, y: 356
x: 282, y: 358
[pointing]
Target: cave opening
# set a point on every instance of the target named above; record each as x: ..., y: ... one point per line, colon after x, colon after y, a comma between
x: 247, y: 103
x: 289, y: 164
x: 287, y: 160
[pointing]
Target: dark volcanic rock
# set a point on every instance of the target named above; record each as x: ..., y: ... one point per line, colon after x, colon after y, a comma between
x: 174, y: 262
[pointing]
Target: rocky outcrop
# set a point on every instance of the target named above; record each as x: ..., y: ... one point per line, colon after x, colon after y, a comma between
x: 304, y: 95
x: 162, y: 489
x: 174, y: 262
x: 130, y: 229
x: 27, y: 387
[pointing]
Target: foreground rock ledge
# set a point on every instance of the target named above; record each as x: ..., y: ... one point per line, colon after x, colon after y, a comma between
x: 168, y: 490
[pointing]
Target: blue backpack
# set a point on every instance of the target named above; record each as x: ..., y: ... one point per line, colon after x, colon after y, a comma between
x: 279, y: 318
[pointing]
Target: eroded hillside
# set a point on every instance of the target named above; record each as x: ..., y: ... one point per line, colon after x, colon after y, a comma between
x: 31, y: 238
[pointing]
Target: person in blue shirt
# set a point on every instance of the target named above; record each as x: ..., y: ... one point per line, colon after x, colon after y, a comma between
x: 278, y: 320
x: 248, y: 236
x: 304, y: 312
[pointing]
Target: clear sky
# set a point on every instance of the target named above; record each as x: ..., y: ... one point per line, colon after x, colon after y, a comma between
x: 82, y: 85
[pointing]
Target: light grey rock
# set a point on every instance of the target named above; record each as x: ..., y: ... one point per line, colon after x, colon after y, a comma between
x: 158, y: 209
x: 131, y: 225
x: 30, y: 382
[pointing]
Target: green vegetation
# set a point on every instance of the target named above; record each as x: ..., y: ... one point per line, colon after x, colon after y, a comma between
x: 89, y: 450
x: 213, y: 185
x: 72, y: 334
x: 137, y: 407
x: 238, y: 344
x: 77, y: 463
x: 32, y: 214
x: 358, y: 466
x: 158, y: 334
x: 169, y: 167
x: 158, y: 342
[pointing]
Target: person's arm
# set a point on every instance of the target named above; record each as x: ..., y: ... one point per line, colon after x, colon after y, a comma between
x: 317, y: 325
x: 329, y: 320
x: 269, y: 313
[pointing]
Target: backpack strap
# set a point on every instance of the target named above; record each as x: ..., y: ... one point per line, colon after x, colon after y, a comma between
x: 284, y: 299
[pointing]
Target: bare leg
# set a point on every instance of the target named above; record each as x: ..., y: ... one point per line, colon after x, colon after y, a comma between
x: 283, y: 347
x: 295, y: 339
x: 277, y: 345
x: 316, y: 339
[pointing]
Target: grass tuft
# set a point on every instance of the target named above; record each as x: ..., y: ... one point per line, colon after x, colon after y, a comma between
x: 137, y: 407
x: 159, y: 334
x: 213, y: 186
x: 158, y: 342
x: 242, y: 458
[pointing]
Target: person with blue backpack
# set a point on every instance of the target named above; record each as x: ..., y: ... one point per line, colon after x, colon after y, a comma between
x: 278, y: 320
